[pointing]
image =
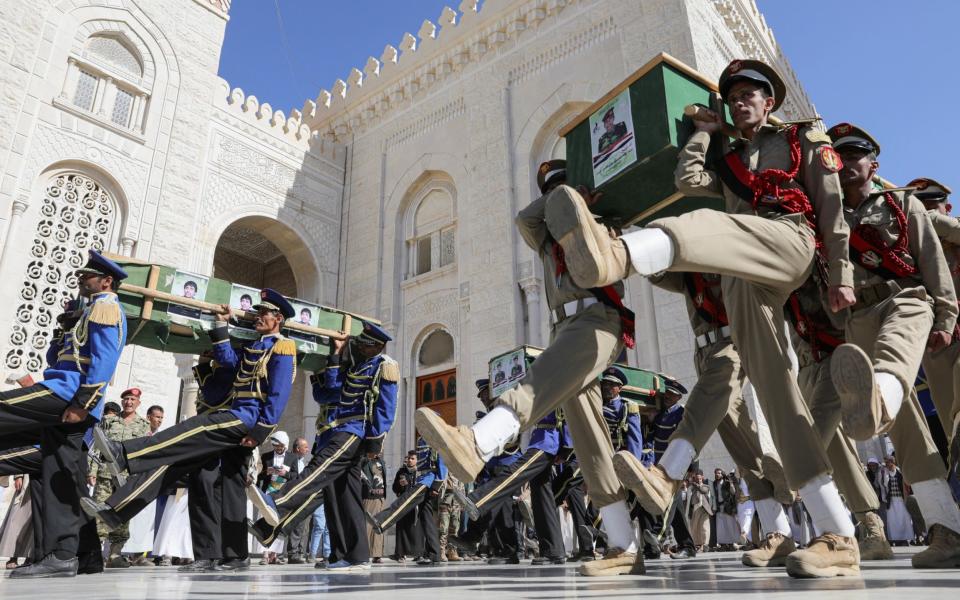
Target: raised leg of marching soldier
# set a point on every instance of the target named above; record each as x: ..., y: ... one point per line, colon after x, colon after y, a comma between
x: 906, y: 304
x: 592, y: 326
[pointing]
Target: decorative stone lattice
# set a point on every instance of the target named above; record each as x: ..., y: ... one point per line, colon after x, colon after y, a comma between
x: 76, y: 214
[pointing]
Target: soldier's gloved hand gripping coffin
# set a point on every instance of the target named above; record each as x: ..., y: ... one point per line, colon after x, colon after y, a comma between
x: 171, y: 310
x: 625, y: 145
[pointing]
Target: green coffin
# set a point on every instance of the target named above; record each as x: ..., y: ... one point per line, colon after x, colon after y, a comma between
x: 643, y: 387
x: 170, y: 327
x: 625, y: 145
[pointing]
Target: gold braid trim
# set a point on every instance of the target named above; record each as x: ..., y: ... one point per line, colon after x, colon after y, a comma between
x: 105, y: 313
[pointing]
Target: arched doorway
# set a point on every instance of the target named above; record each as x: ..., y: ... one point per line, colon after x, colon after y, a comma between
x: 261, y: 252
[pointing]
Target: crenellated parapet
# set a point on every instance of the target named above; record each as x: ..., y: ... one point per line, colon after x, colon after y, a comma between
x: 248, y: 108
x: 420, y: 62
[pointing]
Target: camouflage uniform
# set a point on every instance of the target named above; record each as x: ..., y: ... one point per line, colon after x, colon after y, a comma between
x: 118, y: 430
x: 449, y: 514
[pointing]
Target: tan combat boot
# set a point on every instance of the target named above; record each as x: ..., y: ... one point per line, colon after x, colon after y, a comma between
x: 117, y: 560
x: 616, y: 561
x: 943, y: 551
x: 874, y: 544
x: 452, y: 555
x: 772, y: 551
x: 594, y: 258
x: 864, y: 414
x: 457, y: 445
x: 653, y: 487
x: 828, y: 555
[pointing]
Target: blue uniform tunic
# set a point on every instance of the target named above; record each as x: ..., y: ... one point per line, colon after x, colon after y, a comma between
x: 82, y: 362
x: 431, y: 471
x: 263, y: 372
x: 623, y: 421
x: 363, y: 397
x: 547, y: 434
x: 664, y: 424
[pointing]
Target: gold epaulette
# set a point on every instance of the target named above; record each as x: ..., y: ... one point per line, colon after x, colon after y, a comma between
x: 105, y: 313
x: 632, y: 408
x: 285, y: 347
x: 390, y: 370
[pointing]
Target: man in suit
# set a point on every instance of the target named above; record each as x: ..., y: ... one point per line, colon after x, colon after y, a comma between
x: 277, y: 465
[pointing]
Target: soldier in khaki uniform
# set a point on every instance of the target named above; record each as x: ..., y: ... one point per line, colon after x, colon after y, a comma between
x: 127, y: 426
x: 905, y: 304
x: 450, y: 513
x: 815, y: 337
x: 942, y: 367
x: 783, y: 203
x: 715, y: 404
x: 591, y: 328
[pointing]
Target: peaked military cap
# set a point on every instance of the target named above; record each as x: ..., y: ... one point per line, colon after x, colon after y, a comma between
x: 482, y: 384
x: 757, y: 72
x: 98, y: 264
x: 550, y: 172
x: 845, y: 134
x: 373, y: 334
x: 274, y: 300
x: 929, y: 190
x: 674, y: 386
x: 614, y: 375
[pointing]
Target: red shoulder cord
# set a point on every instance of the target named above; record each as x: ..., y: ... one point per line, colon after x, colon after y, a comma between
x: 894, y: 253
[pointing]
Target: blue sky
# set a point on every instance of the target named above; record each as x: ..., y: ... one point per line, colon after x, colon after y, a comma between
x: 882, y: 64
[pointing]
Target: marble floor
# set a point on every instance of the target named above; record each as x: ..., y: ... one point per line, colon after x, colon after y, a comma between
x: 714, y: 573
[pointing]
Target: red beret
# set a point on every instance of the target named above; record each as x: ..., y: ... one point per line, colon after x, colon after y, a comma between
x: 131, y: 392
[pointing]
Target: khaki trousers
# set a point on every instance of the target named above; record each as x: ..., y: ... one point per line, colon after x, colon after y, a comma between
x: 716, y: 404
x: 762, y: 261
x: 566, y: 375
x: 894, y: 334
x: 942, y: 369
x: 824, y: 403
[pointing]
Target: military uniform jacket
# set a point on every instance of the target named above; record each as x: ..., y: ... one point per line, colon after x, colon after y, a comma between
x: 263, y: 372
x: 83, y: 360
x: 815, y: 334
x: 363, y: 396
x: 215, y: 384
x: 623, y: 422
x: 119, y: 430
x: 559, y: 289
x: 664, y: 424
x: 431, y: 471
x: 770, y: 149
x: 676, y: 282
x: 948, y: 230
x: 547, y: 434
x: 925, y: 252
x: 498, y: 463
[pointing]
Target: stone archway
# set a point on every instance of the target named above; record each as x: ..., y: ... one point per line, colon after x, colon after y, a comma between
x: 259, y: 252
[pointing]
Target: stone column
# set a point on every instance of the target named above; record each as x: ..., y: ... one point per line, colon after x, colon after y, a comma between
x: 531, y: 294
x: 70, y: 81
x: 19, y: 207
x: 189, y: 389
x: 126, y: 245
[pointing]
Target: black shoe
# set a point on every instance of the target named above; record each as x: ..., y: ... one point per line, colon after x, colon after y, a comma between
x: 111, y: 455
x: 50, y: 566
x: 296, y: 559
x: 89, y: 563
x: 232, y: 564
x: 649, y: 554
x: 548, y: 560
x: 197, y: 566
x: 102, y: 511
x: 683, y: 554
x: 377, y: 560
x: 500, y: 560
x: 463, y: 543
x: 582, y: 557
x: 320, y: 564
x: 423, y: 561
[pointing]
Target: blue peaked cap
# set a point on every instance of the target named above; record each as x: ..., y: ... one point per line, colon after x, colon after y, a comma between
x: 98, y: 264
x: 274, y: 300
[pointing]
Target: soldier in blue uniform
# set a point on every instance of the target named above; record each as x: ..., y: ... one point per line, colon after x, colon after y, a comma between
x: 668, y: 419
x: 57, y: 412
x: 360, y: 383
x: 568, y: 486
x: 263, y: 372
x: 422, y: 495
x: 535, y: 467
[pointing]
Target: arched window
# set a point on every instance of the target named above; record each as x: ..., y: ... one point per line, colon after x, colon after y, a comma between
x: 427, y: 396
x: 431, y: 237
x: 452, y: 387
x: 107, y: 80
x: 76, y: 213
x: 440, y: 392
x: 436, y: 350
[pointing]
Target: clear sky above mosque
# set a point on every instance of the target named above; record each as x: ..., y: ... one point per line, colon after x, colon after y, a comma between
x: 886, y: 65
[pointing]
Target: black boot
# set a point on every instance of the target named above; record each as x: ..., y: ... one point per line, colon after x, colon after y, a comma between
x: 232, y: 564
x: 89, y: 563
x: 197, y: 566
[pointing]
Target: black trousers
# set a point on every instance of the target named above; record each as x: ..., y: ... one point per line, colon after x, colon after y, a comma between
x: 409, y: 535
x: 337, y: 466
x: 535, y: 468
x: 218, y: 506
x: 156, y: 463
x: 417, y: 503
x: 30, y: 416
x: 568, y: 486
